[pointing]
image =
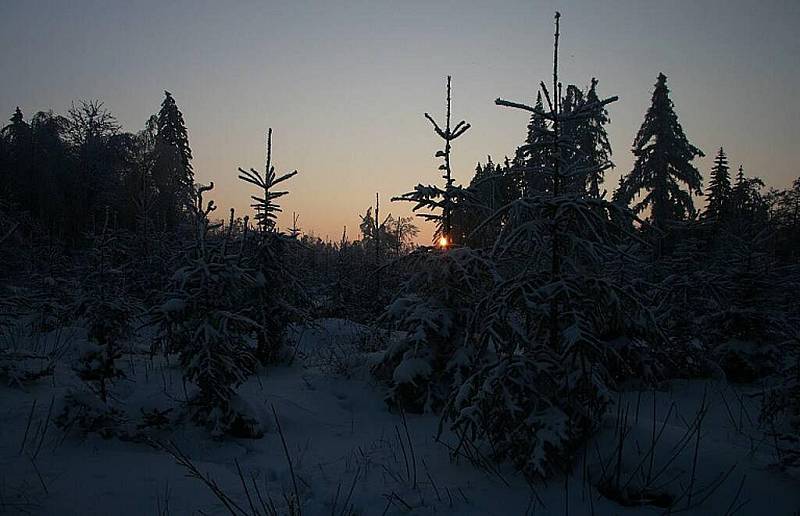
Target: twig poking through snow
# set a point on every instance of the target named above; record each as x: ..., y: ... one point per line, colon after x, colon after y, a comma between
x: 288, y: 459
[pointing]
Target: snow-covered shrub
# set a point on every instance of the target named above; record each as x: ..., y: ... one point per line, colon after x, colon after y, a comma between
x: 85, y: 412
x: 435, y: 306
x: 46, y: 302
x: 780, y: 409
x: 756, y: 299
x: 9, y: 225
x: 22, y: 360
x: 584, y: 314
x: 563, y: 328
x: 152, y: 259
x: 433, y: 311
x: 515, y: 406
x: 713, y: 304
x: 20, y: 368
x: 154, y: 419
x: 276, y: 303
x: 103, y: 308
x: 108, y: 324
x: 554, y: 309
x: 745, y: 361
x: 590, y: 356
x: 353, y: 281
x: 205, y: 318
x: 686, y: 285
x: 637, y: 360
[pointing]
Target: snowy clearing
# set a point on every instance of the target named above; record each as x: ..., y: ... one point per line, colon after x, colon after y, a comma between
x: 351, y: 455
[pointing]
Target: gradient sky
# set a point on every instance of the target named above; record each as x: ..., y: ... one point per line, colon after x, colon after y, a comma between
x: 344, y: 84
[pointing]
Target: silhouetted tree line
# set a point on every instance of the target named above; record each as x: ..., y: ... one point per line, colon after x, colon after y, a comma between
x: 67, y: 172
x: 662, y: 186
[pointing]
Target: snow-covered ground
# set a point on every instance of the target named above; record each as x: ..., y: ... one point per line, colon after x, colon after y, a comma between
x: 351, y: 455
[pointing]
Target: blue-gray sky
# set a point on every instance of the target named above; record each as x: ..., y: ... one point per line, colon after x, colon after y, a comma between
x: 344, y: 83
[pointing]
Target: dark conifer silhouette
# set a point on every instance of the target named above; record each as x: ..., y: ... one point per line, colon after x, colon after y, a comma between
x: 17, y: 154
x: 172, y: 173
x: 663, y: 164
x: 785, y: 214
x: 428, y: 196
x: 265, y: 206
x: 17, y: 129
x: 533, y: 157
x: 747, y: 203
x: 492, y: 187
x: 593, y: 142
x: 589, y: 158
x: 718, y: 193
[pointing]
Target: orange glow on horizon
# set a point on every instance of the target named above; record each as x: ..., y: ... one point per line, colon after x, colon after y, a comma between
x: 443, y: 242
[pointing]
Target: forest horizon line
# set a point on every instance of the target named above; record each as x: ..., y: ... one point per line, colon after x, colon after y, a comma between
x: 92, y: 116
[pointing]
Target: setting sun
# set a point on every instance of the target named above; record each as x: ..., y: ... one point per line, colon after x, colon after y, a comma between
x: 443, y: 242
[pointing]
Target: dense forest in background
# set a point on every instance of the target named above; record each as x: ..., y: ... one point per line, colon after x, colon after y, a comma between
x: 546, y: 292
x: 63, y: 174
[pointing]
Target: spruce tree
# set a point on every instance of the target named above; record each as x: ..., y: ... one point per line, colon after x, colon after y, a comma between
x: 208, y: 319
x: 374, y: 233
x: 533, y: 157
x: 542, y: 356
x: 269, y: 255
x: 719, y: 189
x: 428, y: 196
x: 663, y: 162
x: 106, y: 309
x: 265, y: 207
x: 534, y: 160
x: 592, y: 139
x: 571, y: 101
x: 747, y: 203
x: 492, y: 187
x: 18, y: 128
x: 15, y: 139
x: 739, y: 189
x: 172, y: 172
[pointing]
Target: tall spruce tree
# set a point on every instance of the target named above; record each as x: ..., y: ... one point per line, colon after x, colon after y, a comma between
x: 663, y: 162
x: 554, y: 309
x: 592, y: 139
x: 719, y: 189
x: 428, y: 196
x: 571, y: 101
x: 172, y: 171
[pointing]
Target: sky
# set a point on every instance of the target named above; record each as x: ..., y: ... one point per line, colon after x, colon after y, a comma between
x: 344, y: 84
